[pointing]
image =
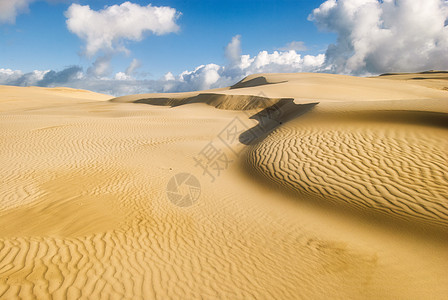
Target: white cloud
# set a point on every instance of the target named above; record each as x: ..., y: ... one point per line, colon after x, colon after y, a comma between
x: 372, y: 37
x: 169, y: 76
x: 233, y: 49
x: 122, y: 76
x: 280, y: 62
x: 108, y: 28
x: 17, y: 77
x: 130, y: 71
x: 9, y: 9
x: 53, y: 78
x: 213, y: 76
x: 134, y: 65
x: 7, y: 75
x: 120, y: 84
x: 101, y: 66
x: 385, y: 36
x: 294, y: 45
x: 201, y: 78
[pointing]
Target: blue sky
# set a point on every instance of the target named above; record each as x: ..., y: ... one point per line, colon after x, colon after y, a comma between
x: 120, y: 47
x: 40, y: 39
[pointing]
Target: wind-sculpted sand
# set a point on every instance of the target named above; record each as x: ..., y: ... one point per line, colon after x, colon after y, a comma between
x: 399, y: 170
x: 330, y: 187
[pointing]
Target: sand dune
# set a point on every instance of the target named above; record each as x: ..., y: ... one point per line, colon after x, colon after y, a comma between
x: 399, y: 170
x: 432, y: 79
x: 18, y: 98
x: 313, y: 86
x: 328, y: 186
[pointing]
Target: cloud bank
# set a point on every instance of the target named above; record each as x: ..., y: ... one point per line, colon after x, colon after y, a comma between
x: 201, y: 78
x: 40, y: 78
x: 385, y: 36
x: 108, y: 29
x: 214, y: 76
x: 373, y: 37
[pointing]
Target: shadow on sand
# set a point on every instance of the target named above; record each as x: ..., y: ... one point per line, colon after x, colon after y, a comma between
x: 272, y: 117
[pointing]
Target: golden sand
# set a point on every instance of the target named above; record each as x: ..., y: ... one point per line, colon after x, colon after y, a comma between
x: 321, y: 187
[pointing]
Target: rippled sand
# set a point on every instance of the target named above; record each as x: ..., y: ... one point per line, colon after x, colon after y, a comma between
x: 295, y: 186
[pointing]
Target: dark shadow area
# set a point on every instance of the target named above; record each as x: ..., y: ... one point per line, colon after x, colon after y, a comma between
x: 421, y: 118
x: 272, y: 117
x: 391, y: 74
x: 220, y: 101
x: 412, y: 228
x: 157, y: 101
x: 434, y: 72
x: 428, y: 78
x: 253, y: 82
x: 424, y: 72
x: 173, y: 102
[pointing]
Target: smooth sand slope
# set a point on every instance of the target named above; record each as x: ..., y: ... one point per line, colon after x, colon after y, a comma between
x: 302, y: 186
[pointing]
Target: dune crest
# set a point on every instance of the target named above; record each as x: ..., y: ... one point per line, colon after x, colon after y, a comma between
x: 221, y: 101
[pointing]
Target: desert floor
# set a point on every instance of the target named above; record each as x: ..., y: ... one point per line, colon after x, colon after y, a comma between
x: 286, y: 186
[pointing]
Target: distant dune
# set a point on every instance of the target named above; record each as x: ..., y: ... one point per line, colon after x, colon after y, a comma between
x: 282, y: 186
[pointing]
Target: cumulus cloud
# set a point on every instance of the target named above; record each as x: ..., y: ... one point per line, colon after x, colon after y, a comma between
x: 120, y: 84
x: 122, y: 76
x: 101, y: 66
x: 281, y: 62
x: 203, y: 77
x: 107, y: 29
x: 9, y: 9
x: 17, y: 77
x: 233, y: 49
x: 130, y: 71
x: 39, y: 78
x: 53, y: 78
x: 134, y: 65
x: 214, y: 76
x: 385, y: 36
x: 36, y: 77
x: 372, y: 37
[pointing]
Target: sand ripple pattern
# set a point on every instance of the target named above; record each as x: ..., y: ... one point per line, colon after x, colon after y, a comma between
x: 84, y: 215
x: 396, y: 170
